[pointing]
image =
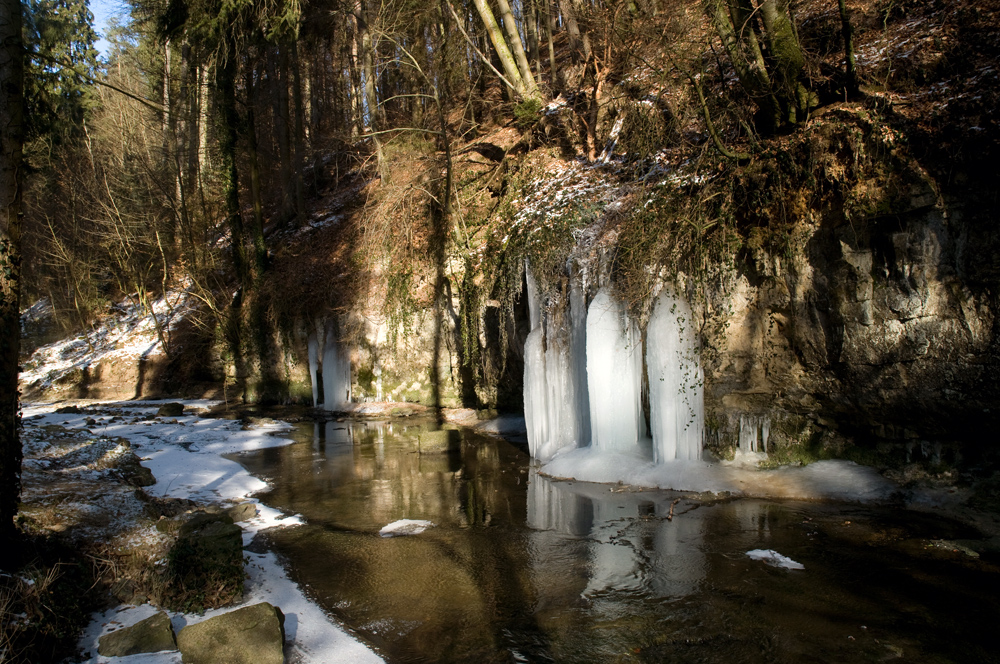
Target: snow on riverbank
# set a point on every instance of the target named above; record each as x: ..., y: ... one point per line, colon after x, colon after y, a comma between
x: 130, y: 333
x: 184, y: 456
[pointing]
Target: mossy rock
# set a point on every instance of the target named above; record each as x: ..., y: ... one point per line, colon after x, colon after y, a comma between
x: 206, y: 563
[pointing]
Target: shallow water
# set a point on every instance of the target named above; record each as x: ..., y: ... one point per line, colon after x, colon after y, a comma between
x: 522, y: 568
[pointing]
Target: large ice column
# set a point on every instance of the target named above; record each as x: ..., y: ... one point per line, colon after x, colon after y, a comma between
x: 336, y: 371
x: 676, y: 394
x: 614, y: 376
x: 578, y: 356
x: 315, y: 337
x: 554, y: 404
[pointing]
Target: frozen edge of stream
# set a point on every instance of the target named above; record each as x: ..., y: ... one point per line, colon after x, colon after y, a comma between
x: 185, y: 456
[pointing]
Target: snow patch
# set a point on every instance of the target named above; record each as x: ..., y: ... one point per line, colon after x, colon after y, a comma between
x: 405, y: 527
x: 774, y: 559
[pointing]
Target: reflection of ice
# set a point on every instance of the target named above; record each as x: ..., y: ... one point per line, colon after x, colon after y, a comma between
x: 624, y: 551
x: 552, y: 506
x: 679, y: 563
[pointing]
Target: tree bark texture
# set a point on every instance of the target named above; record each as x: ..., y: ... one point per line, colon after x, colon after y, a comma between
x: 11, y: 144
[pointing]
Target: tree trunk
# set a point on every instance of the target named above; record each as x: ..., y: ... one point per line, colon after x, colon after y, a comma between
x: 363, y: 38
x: 572, y: 30
x: 507, y: 61
x: 788, y: 60
x: 299, y: 138
x: 531, y: 31
x: 554, y: 79
x: 517, y: 47
x: 259, y: 248
x: 11, y: 143
x: 850, y: 66
x: 277, y: 73
x: 733, y: 22
x: 228, y: 121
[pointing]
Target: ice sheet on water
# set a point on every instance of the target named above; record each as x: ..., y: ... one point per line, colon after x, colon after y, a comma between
x: 823, y: 480
x: 405, y: 527
x: 774, y: 559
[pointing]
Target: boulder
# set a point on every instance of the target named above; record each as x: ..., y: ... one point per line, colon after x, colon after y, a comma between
x: 251, y: 635
x: 206, y: 562
x: 242, y: 512
x: 172, y: 409
x: 150, y: 635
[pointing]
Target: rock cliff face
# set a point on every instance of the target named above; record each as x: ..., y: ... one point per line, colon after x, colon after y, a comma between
x: 872, y: 335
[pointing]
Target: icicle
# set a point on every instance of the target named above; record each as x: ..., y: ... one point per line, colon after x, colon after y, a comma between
x: 754, y: 432
x: 313, y: 346
x: 551, y: 394
x: 676, y: 396
x: 336, y: 372
x: 578, y: 356
x: 614, y: 375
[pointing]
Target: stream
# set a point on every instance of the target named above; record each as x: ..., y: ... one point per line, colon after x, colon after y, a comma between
x: 522, y: 568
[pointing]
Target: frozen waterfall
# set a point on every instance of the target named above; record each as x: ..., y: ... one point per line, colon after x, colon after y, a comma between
x: 614, y: 376
x: 583, y: 376
x: 336, y: 371
x: 676, y: 396
x: 555, y: 405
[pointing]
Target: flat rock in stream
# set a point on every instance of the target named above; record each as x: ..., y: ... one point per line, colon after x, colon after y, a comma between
x: 150, y: 635
x: 251, y: 635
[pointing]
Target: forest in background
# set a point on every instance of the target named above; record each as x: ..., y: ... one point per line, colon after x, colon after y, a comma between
x: 210, y: 126
x: 418, y: 141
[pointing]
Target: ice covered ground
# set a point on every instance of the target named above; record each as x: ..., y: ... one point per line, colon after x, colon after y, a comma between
x: 184, y: 454
x: 822, y: 480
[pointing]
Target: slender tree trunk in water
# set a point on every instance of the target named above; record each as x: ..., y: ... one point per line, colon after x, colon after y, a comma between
x: 299, y: 152
x: 11, y: 143
x: 442, y: 229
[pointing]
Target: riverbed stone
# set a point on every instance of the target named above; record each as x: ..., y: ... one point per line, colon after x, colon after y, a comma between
x: 150, y: 635
x: 242, y: 512
x: 251, y: 635
x: 172, y: 409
